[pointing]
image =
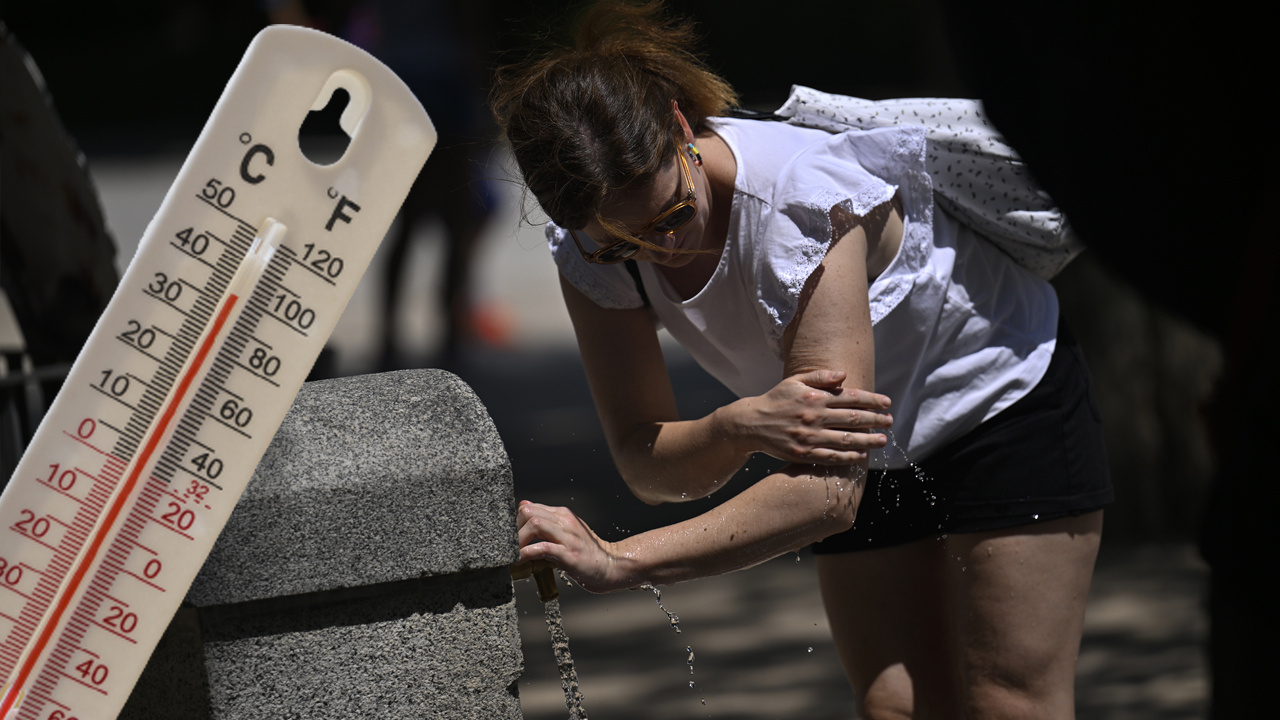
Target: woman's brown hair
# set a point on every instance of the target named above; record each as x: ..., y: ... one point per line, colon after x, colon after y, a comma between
x: 590, y: 120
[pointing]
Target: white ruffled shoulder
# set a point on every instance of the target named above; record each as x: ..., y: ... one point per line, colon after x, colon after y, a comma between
x: 857, y: 171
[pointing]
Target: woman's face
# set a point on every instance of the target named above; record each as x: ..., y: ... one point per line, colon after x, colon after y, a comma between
x: 637, y: 208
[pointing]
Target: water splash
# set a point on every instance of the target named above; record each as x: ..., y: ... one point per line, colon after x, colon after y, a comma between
x: 675, y: 625
x: 564, y: 661
x: 690, y: 661
x: 671, y: 617
x: 921, y: 476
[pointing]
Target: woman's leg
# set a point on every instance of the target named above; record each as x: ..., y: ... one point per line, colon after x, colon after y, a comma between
x: 1020, y: 600
x: 982, y: 625
x: 888, y: 615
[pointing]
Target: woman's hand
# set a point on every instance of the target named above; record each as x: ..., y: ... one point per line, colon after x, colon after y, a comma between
x: 809, y: 418
x: 557, y: 535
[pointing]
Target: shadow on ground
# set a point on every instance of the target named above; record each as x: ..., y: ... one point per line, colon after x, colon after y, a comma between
x: 759, y: 637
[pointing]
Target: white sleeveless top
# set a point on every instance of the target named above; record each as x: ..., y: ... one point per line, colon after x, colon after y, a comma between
x: 961, y: 331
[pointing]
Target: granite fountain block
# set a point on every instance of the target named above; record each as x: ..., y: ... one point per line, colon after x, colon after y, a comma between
x: 363, y: 573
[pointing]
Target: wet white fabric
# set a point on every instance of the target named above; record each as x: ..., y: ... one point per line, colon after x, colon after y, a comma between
x: 961, y: 331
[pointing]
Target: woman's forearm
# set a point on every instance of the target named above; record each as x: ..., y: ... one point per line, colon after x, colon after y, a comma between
x: 681, y: 460
x: 808, y: 418
x: 781, y: 513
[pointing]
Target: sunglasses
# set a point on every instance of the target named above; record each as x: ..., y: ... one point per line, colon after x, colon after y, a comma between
x: 667, y: 222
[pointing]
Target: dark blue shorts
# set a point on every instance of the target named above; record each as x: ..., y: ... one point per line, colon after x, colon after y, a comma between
x: 1042, y: 458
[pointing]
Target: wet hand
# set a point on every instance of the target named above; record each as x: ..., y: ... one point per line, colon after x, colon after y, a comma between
x: 557, y: 535
x: 809, y: 418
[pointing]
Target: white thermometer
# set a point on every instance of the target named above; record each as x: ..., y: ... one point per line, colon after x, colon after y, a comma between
x: 234, y: 290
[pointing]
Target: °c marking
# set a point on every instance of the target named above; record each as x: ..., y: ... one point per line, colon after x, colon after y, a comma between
x: 259, y: 149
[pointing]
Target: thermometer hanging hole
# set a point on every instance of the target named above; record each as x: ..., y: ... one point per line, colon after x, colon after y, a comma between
x: 335, y: 117
x: 321, y: 138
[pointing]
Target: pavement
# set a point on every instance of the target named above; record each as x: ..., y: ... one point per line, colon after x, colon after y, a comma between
x: 762, y: 650
x: 759, y: 636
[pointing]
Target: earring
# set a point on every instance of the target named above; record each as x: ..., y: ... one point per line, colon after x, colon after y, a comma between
x: 695, y: 155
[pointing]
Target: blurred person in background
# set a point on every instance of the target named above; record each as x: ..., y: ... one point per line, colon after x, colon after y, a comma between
x: 438, y: 48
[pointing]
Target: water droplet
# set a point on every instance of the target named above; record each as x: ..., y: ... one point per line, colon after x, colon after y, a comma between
x: 810, y: 649
x: 704, y: 701
x: 690, y: 684
x: 1035, y: 517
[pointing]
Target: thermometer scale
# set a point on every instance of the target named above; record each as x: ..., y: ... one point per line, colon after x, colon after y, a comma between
x: 234, y: 290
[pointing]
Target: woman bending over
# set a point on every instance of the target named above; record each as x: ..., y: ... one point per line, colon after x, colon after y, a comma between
x: 804, y: 269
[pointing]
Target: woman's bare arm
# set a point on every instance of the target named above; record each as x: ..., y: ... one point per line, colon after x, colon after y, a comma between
x: 784, y: 511
x: 807, y: 417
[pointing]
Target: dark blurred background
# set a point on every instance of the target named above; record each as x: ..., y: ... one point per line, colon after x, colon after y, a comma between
x: 142, y: 75
x: 132, y: 79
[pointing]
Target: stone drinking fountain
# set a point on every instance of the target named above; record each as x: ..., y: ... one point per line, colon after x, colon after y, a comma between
x: 364, y: 573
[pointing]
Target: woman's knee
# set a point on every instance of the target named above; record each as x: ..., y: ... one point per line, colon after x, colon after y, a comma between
x: 993, y: 699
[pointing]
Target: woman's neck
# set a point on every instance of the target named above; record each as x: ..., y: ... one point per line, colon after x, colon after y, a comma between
x: 721, y: 170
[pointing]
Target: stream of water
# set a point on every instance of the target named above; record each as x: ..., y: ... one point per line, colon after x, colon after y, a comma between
x: 564, y: 661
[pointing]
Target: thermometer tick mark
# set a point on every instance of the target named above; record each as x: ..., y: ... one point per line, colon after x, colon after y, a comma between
x: 78, y: 681
x: 111, y: 396
x: 168, y: 302
x: 15, y: 591
x: 234, y: 395
x: 82, y: 441
x: 115, y: 632
x: 60, y: 491
x: 255, y: 373
x: 142, y: 580
x: 251, y: 230
x: 227, y: 425
x: 109, y: 426
x: 140, y: 350
x: 171, y: 528
x: 313, y: 271
x: 33, y: 538
x: 193, y: 256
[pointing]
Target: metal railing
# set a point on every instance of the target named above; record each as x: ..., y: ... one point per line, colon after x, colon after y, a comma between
x: 26, y: 392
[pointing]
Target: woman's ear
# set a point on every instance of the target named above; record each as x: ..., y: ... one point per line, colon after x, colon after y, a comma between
x: 684, y: 123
